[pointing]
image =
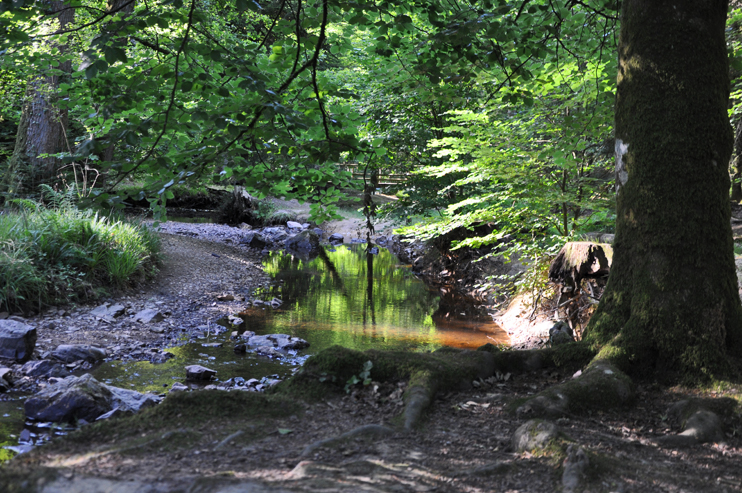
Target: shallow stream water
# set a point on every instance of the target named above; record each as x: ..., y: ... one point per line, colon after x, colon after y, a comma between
x: 344, y: 296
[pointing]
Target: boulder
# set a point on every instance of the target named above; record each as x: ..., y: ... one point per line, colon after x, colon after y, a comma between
x: 75, y: 398
x: 44, y: 369
x: 294, y: 225
x: 69, y: 353
x: 336, y: 239
x: 17, y: 340
x: 199, y: 373
x: 305, y: 243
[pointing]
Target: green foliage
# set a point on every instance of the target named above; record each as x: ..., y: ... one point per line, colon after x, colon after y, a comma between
x: 363, y: 377
x: 54, y: 254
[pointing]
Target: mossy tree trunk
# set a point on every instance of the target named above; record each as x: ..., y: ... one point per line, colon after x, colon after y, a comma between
x: 737, y: 165
x: 671, y: 308
x: 43, y: 125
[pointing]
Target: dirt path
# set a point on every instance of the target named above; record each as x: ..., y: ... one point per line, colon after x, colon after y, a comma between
x: 212, y: 441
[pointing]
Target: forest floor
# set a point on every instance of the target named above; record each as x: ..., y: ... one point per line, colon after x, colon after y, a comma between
x: 463, y: 443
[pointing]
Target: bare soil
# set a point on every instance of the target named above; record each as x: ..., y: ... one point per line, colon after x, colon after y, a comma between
x: 463, y: 443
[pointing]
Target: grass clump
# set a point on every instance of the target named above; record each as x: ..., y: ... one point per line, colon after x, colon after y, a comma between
x: 58, y: 253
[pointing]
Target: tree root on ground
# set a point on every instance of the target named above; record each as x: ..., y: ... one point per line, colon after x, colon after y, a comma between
x: 701, y: 421
x: 370, y: 431
x: 601, y: 386
x: 338, y: 368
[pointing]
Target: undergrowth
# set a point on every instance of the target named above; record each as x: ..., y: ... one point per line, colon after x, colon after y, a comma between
x: 56, y: 253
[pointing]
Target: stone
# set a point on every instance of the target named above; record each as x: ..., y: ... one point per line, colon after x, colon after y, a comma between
x: 306, y: 242
x: 534, y: 435
x: 225, y: 297
x: 286, y: 342
x: 132, y: 401
x: 159, y: 358
x: 294, y: 225
x: 116, y: 310
x: 260, y: 341
x: 274, y: 231
x: 44, y: 368
x: 212, y: 344
x: 178, y: 387
x: 255, y: 240
x: 268, y: 351
x: 149, y: 315
x: 199, y: 373
x: 240, y: 348
x: 336, y: 239
x: 70, y: 353
x: 100, y: 311
x: 78, y: 398
x: 17, y: 340
x: 560, y: 333
x: 247, y: 335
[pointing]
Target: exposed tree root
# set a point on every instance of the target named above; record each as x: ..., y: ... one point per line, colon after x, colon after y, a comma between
x: 701, y: 421
x: 601, y: 386
x: 336, y: 368
x: 362, y: 431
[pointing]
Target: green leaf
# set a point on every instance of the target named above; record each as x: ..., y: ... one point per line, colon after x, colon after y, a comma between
x: 114, y: 54
x: 285, y: 431
x: 186, y: 86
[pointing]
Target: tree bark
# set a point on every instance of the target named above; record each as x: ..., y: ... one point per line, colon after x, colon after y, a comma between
x: 736, y: 165
x: 671, y: 308
x: 43, y: 126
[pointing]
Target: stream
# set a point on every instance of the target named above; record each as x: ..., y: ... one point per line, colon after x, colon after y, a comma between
x: 344, y: 296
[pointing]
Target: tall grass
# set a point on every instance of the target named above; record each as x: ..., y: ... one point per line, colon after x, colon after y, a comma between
x: 58, y: 253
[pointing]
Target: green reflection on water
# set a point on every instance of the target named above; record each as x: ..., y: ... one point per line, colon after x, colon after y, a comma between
x: 359, y: 300
x: 11, y: 425
x: 144, y: 376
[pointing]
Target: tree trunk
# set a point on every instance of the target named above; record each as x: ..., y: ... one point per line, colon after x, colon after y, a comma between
x: 671, y: 308
x: 737, y: 165
x: 43, y: 126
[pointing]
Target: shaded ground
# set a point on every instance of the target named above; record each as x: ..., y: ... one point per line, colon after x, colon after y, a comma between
x: 462, y: 445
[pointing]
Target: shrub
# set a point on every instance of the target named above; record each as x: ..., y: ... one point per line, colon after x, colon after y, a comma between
x: 60, y: 253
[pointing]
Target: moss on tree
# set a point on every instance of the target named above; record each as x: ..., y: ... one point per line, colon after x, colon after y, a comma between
x: 671, y: 307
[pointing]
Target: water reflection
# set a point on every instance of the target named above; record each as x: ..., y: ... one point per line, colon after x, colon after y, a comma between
x: 349, y: 297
